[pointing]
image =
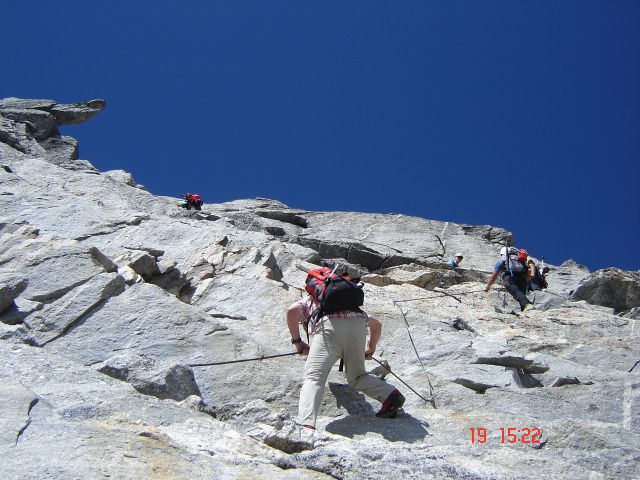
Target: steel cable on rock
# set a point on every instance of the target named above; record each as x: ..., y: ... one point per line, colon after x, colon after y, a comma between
x: 431, y: 400
x: 263, y: 357
x: 415, y: 349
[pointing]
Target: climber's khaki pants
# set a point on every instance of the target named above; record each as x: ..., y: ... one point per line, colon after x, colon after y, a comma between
x: 338, y: 338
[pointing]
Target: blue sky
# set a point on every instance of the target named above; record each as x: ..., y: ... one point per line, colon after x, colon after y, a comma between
x: 523, y: 115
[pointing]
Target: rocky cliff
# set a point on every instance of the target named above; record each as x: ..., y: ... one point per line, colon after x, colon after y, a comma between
x: 108, y: 293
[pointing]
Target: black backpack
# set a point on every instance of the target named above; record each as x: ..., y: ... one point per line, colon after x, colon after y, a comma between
x: 516, y: 267
x: 333, y: 292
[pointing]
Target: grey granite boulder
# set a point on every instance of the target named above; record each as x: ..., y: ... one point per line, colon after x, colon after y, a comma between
x: 19, y: 310
x: 140, y: 262
x: 9, y: 290
x: 610, y: 287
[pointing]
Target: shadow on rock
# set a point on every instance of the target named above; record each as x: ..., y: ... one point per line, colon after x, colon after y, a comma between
x: 403, y: 428
x: 362, y: 419
x: 353, y: 402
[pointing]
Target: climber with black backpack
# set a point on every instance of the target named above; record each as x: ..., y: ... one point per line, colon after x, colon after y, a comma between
x: 515, y: 276
x: 331, y: 313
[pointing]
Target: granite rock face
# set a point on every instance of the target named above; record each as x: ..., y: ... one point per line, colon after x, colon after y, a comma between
x: 112, y: 298
x: 610, y: 287
x: 31, y: 127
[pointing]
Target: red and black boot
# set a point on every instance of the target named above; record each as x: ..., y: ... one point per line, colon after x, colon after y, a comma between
x: 391, y: 405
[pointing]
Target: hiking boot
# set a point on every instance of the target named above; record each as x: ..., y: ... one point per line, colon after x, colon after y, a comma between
x: 391, y: 405
x: 528, y: 307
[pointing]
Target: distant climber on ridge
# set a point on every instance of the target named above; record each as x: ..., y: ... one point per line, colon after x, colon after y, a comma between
x: 515, y: 276
x: 191, y: 200
x: 454, y: 262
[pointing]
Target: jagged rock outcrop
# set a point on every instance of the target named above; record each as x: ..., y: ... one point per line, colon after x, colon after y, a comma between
x: 106, y: 320
x: 31, y: 127
x: 610, y: 287
x: 10, y: 288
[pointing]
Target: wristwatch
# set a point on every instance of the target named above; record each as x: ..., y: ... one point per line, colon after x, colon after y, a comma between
x: 296, y: 340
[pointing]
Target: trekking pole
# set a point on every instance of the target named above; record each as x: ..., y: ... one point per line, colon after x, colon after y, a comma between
x: 242, y: 360
x: 507, y: 252
x: 431, y: 400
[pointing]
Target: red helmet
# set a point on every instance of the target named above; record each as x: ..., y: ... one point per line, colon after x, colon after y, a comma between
x: 522, y: 255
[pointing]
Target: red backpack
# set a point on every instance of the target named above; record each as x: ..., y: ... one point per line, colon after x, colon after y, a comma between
x: 194, y: 200
x: 333, y: 292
